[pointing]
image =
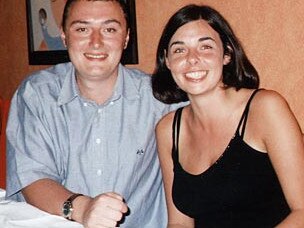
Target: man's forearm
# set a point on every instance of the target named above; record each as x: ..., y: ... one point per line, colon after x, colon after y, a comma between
x: 49, y: 196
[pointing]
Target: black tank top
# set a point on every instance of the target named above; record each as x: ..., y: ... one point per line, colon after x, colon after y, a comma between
x: 240, y: 189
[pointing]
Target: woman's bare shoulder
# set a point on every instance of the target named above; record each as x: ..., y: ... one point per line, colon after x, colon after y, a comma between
x: 164, y: 128
x: 165, y: 123
x: 269, y: 102
x: 271, y: 111
x: 269, y: 97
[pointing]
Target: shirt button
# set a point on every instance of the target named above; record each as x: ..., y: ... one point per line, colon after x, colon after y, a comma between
x: 85, y: 104
x: 112, y: 102
x: 98, y: 141
x: 99, y: 111
x: 98, y: 172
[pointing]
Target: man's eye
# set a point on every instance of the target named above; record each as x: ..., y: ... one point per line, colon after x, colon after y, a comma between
x: 81, y: 29
x: 110, y: 30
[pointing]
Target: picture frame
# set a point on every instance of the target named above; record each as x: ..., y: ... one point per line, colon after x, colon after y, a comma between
x: 43, y: 31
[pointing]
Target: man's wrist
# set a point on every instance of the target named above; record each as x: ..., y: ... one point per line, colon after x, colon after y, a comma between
x: 80, y: 205
x: 68, y: 208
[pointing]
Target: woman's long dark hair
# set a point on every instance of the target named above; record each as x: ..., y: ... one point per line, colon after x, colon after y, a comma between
x: 238, y: 73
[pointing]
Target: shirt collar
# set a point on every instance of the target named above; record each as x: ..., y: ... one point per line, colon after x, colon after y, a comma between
x: 69, y: 89
x: 125, y: 86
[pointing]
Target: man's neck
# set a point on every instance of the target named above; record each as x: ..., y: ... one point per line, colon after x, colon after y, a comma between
x: 97, y: 91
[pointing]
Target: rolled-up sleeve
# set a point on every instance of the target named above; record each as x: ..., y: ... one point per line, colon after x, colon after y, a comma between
x: 30, y: 148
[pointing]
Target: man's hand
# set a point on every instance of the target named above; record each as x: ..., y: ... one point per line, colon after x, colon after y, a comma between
x: 105, y: 210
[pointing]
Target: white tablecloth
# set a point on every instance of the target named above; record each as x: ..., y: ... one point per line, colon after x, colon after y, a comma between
x: 19, y: 215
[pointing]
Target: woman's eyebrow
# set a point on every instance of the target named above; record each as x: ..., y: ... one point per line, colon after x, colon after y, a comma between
x: 200, y: 40
x: 206, y: 38
x: 176, y: 42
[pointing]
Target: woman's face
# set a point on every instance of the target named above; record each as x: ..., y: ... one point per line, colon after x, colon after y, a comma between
x: 196, y: 57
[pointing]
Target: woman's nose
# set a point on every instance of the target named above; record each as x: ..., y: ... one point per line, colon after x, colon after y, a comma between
x: 192, y: 57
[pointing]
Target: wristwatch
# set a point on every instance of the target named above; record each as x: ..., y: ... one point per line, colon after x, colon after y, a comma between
x: 67, y: 208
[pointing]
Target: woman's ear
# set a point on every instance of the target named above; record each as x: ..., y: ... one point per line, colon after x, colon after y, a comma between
x: 227, y: 59
x: 166, y: 59
x: 227, y: 55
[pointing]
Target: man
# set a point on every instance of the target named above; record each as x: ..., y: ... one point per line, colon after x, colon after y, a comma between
x: 87, y: 127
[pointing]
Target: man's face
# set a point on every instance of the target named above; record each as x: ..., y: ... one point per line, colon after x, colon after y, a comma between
x: 95, y: 35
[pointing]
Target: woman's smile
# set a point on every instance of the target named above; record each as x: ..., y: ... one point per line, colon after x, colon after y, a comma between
x: 196, y: 75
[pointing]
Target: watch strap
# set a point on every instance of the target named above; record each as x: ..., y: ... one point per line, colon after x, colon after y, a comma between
x: 74, y: 196
x: 69, y: 203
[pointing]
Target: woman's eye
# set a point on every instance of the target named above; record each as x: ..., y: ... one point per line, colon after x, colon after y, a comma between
x: 206, y: 47
x: 178, y: 50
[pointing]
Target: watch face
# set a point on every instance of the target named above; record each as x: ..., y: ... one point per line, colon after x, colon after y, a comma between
x: 66, y: 209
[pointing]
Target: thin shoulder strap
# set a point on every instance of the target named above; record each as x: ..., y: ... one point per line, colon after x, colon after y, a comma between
x: 244, y: 117
x: 175, y: 132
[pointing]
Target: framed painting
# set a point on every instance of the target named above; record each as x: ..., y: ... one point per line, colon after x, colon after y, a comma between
x: 45, y: 46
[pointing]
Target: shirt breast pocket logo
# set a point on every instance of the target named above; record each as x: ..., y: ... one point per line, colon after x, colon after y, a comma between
x: 140, y: 152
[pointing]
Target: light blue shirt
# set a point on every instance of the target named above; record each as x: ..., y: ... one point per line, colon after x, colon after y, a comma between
x: 55, y: 133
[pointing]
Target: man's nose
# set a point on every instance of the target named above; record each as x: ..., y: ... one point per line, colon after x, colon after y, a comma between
x: 96, y: 39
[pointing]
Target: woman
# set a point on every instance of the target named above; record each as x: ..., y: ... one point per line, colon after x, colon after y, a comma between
x: 233, y: 157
